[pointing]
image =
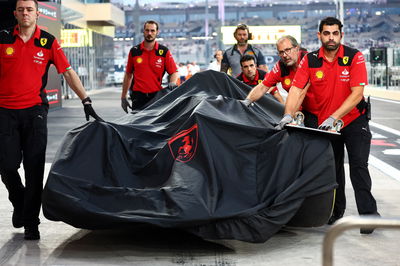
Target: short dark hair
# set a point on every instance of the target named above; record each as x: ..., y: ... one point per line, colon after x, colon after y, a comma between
x: 35, y: 1
x: 151, y: 22
x: 330, y: 21
x: 246, y: 58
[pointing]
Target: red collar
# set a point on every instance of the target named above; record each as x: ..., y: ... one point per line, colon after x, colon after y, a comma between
x: 246, y: 80
x: 142, y: 46
x: 36, y: 34
x: 340, y: 52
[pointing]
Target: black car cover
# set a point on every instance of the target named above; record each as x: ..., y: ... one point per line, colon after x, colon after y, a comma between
x: 196, y: 159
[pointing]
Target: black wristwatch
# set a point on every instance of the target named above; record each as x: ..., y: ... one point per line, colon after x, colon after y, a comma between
x: 87, y: 99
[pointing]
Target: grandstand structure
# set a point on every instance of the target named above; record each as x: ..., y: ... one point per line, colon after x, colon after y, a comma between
x: 182, y: 23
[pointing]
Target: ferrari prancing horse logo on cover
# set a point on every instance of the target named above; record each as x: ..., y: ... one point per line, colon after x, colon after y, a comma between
x: 184, y: 144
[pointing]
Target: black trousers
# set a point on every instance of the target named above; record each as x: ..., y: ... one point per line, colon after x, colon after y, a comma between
x: 357, y: 138
x: 140, y: 99
x: 23, y: 138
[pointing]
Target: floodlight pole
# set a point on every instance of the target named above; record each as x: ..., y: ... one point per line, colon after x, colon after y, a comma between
x: 341, y: 13
x: 221, y: 17
x: 207, y: 52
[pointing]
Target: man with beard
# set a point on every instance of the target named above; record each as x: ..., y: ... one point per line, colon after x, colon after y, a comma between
x: 252, y: 76
x: 231, y: 57
x: 337, y: 74
x: 26, y: 52
x: 283, y: 72
x: 147, y: 64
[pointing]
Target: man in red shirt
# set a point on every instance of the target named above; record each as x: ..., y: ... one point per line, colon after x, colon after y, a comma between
x: 26, y: 53
x: 284, y: 70
x: 253, y: 76
x: 337, y: 74
x: 147, y: 63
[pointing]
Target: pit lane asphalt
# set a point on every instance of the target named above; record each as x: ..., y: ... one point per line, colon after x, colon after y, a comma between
x: 62, y: 244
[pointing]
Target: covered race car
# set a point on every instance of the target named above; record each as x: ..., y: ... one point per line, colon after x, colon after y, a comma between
x: 195, y: 159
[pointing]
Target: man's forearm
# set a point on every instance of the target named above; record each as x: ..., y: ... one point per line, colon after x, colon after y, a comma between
x: 224, y: 67
x: 357, y: 93
x: 126, y: 83
x: 174, y: 77
x: 257, y: 92
x: 278, y: 96
x: 75, y: 83
x: 294, y: 100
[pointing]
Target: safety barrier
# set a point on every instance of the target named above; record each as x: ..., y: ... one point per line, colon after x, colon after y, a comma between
x: 351, y: 222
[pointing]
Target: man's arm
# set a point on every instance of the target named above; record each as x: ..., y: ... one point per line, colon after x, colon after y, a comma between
x: 126, y: 84
x: 278, y: 96
x: 173, y: 78
x: 357, y: 93
x: 224, y: 67
x: 75, y: 83
x: 294, y: 99
x: 225, y: 63
x: 257, y: 92
x: 261, y: 62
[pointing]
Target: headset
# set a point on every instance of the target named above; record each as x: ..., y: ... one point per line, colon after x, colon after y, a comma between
x: 243, y: 27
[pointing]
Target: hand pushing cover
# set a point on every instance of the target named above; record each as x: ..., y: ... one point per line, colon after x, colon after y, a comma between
x: 195, y: 159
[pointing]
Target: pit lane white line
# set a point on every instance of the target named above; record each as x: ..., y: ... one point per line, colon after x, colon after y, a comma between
x: 384, y: 167
x: 385, y: 100
x: 385, y: 128
x: 379, y: 164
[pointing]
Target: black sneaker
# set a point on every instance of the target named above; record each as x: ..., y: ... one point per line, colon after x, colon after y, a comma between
x: 32, y: 233
x: 334, y: 218
x: 368, y: 231
x: 17, y: 220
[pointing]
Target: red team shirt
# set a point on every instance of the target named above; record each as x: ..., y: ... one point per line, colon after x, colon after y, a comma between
x: 258, y: 78
x: 331, y: 82
x: 24, y: 67
x: 275, y: 76
x: 149, y: 67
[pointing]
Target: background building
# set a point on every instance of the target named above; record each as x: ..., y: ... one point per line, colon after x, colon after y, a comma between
x: 192, y: 29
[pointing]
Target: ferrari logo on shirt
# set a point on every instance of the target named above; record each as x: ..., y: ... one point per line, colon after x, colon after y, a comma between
x: 43, y: 41
x: 259, y: 81
x: 139, y: 60
x: 287, y: 81
x: 345, y: 60
x: 319, y: 74
x: 160, y: 52
x: 9, y: 51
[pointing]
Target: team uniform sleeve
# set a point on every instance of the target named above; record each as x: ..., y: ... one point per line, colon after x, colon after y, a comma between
x: 260, y: 59
x: 59, y: 59
x: 170, y: 64
x: 358, y: 72
x: 302, y: 75
x: 273, y: 77
x: 129, y: 65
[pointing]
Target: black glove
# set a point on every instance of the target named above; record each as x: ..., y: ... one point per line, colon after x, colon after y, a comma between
x: 125, y: 104
x: 87, y: 107
x: 172, y: 86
